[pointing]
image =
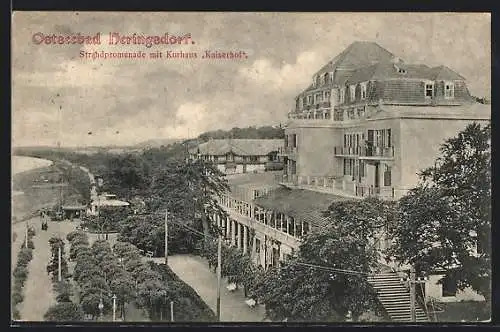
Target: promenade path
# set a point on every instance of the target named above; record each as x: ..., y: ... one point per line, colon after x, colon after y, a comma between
x: 38, y: 293
x: 194, y: 271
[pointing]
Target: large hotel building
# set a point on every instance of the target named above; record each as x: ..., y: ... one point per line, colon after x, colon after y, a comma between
x: 367, y: 124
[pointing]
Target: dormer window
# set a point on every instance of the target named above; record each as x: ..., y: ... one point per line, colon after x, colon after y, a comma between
x: 363, y: 90
x: 352, y: 90
x: 449, y: 90
x: 342, y: 96
x: 429, y: 90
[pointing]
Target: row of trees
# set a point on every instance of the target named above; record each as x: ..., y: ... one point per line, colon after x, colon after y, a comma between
x: 20, y: 273
x: 101, y: 272
x: 64, y: 309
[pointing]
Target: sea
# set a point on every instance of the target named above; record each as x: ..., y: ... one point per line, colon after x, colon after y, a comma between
x: 22, y: 164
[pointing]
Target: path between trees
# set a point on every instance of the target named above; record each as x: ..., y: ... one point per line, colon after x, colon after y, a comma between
x: 38, y: 293
x: 194, y: 271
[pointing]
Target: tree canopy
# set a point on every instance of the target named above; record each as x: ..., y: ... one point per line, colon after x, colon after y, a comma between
x: 444, y: 224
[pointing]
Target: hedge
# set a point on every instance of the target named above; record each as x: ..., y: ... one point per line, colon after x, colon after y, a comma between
x: 20, y: 273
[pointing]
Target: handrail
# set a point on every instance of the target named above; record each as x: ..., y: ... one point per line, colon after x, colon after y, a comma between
x: 425, y: 302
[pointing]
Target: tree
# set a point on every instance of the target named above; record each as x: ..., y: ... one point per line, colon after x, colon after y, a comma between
x: 53, y: 265
x: 450, y: 213
x: 188, y: 190
x: 64, y: 291
x: 345, y: 242
x: 64, y: 312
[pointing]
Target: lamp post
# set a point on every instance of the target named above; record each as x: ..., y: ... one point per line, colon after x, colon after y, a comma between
x: 114, y: 307
x: 101, y: 307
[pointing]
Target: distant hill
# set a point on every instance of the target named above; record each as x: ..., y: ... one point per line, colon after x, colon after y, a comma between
x: 156, y: 143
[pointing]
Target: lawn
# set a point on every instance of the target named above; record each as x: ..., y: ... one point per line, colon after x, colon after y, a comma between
x: 468, y: 311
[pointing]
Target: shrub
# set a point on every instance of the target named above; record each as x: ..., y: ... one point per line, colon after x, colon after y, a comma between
x: 18, y: 285
x: 16, y: 315
x: 17, y: 298
x: 65, y: 312
x: 20, y: 272
x: 64, y: 291
x: 24, y: 257
x: 31, y: 245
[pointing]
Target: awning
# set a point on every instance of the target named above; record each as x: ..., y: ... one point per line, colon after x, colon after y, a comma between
x: 306, y: 205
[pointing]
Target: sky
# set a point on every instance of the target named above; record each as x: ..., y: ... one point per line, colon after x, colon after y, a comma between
x: 57, y: 95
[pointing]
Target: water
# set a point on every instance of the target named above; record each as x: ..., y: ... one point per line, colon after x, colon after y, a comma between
x: 22, y: 164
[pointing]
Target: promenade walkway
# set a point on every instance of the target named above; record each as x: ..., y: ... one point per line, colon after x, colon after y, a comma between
x: 38, y: 293
x: 194, y: 271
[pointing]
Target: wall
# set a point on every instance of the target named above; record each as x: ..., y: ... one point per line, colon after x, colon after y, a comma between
x: 435, y: 291
x: 420, y: 142
x: 315, y: 150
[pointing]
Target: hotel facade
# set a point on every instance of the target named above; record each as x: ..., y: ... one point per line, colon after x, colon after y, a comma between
x: 366, y: 126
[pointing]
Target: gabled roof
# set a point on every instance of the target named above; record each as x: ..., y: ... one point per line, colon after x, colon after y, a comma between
x: 242, y: 147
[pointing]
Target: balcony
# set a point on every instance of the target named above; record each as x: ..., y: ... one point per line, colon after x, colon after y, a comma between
x: 370, y: 191
x: 286, y: 150
x: 376, y: 152
x: 347, y: 151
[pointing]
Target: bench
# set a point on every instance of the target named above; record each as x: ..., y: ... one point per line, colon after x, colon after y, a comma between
x: 141, y: 251
x: 149, y: 254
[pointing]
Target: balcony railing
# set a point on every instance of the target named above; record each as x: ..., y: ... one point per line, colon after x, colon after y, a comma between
x: 284, y: 150
x: 377, y: 152
x: 347, y: 151
x: 368, y: 191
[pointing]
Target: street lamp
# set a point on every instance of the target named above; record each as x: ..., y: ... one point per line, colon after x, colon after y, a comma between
x: 101, y: 307
x: 114, y: 307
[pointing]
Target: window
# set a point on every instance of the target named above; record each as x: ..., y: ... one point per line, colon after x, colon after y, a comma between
x: 362, y: 166
x: 363, y: 90
x: 389, y: 144
x: 254, y: 158
x: 318, y: 79
x: 309, y: 100
x: 387, y: 176
x: 318, y: 98
x: 294, y: 140
x: 327, y: 95
x: 429, y: 90
x: 449, y: 286
x: 325, y: 80
x: 286, y: 141
x: 331, y: 77
x: 449, y: 90
x: 361, y: 112
x: 342, y: 96
x: 352, y: 90
x: 257, y: 245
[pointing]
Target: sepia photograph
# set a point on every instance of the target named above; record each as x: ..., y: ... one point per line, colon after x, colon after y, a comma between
x: 250, y: 167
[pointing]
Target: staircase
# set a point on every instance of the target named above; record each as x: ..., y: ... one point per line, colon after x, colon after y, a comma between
x: 395, y: 297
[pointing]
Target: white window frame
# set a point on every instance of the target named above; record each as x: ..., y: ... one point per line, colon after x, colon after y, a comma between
x: 352, y: 92
x: 310, y: 100
x: 331, y: 77
x: 363, y: 90
x: 452, y: 89
x: 426, y: 83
